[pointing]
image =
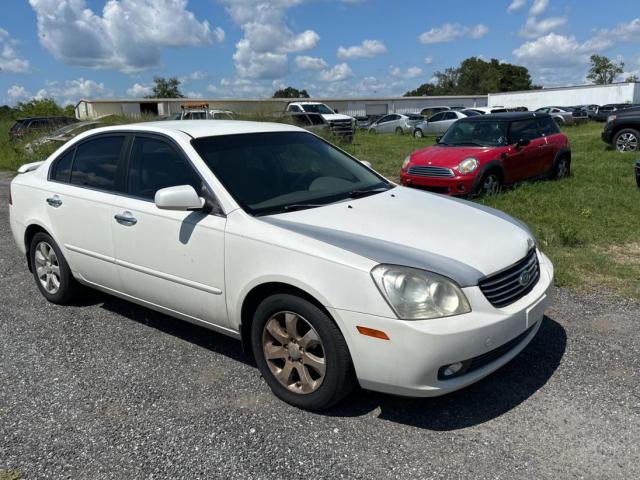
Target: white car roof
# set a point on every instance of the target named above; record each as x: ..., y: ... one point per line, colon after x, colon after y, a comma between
x: 203, y: 128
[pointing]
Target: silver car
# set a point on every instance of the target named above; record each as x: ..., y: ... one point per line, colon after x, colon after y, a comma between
x: 563, y: 115
x: 398, y: 123
x: 440, y: 122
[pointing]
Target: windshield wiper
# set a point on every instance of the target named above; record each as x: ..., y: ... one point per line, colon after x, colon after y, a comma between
x: 300, y: 206
x: 366, y: 192
x: 475, y: 144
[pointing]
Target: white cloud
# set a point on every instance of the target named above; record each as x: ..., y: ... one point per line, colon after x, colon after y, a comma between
x: 538, y: 7
x: 70, y: 91
x: 411, y: 72
x: 129, y: 36
x: 10, y: 61
x: 139, y: 90
x: 516, y: 5
x: 367, y: 49
x: 536, y: 28
x: 193, y: 77
x: 428, y: 60
x: 241, y: 88
x: 337, y: 73
x: 553, y: 50
x: 17, y: 93
x: 451, y: 31
x: 192, y: 94
x: 304, y: 62
x: 262, y: 52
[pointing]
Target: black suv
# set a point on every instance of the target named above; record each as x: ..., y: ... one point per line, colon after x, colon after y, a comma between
x: 30, y: 125
x: 622, y: 130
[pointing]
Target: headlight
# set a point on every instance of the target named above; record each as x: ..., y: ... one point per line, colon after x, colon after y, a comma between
x: 611, y: 118
x: 419, y: 295
x: 406, y: 162
x: 467, y: 165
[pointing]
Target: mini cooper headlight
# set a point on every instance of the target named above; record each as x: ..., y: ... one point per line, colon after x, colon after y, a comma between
x: 467, y: 165
x: 419, y: 295
x: 406, y: 162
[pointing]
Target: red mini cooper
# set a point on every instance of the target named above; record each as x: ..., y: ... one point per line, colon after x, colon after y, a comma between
x: 478, y: 155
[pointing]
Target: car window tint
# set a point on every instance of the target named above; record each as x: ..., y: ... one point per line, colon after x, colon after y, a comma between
x: 437, y: 117
x: 61, y: 171
x: 96, y: 162
x: 524, y: 130
x: 154, y: 164
x: 547, y: 126
x: 450, y: 116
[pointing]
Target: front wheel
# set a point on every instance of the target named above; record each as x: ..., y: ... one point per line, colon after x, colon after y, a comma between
x: 301, y: 353
x: 50, y: 269
x: 418, y: 133
x: 490, y: 184
x: 627, y: 140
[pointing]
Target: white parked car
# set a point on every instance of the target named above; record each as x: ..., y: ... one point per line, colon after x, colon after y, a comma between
x: 330, y: 274
x: 439, y: 123
x: 398, y: 123
x: 341, y: 125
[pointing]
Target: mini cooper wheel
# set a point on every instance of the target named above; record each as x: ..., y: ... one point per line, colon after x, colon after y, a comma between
x: 50, y: 269
x: 418, y: 133
x: 562, y: 168
x: 627, y: 140
x: 301, y: 353
x: 490, y: 184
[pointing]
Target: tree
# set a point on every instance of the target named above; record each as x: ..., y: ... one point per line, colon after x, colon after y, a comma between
x: 603, y: 71
x: 166, y: 88
x: 290, y: 92
x: 632, y: 78
x: 6, y: 112
x: 39, y: 108
x: 476, y: 76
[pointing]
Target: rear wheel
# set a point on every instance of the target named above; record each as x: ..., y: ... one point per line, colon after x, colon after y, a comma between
x: 490, y: 184
x: 418, y: 133
x: 627, y: 140
x: 50, y: 269
x: 301, y: 353
x: 562, y: 168
x: 399, y: 131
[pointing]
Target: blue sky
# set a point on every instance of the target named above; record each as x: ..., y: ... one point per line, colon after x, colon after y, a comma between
x: 69, y: 49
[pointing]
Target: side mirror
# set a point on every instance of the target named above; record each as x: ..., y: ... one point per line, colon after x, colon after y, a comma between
x: 438, y: 139
x: 181, y: 198
x: 366, y: 163
x: 523, y: 142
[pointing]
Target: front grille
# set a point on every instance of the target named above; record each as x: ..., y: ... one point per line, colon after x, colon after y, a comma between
x: 429, y: 171
x: 509, y: 285
x: 342, y: 127
x: 480, y: 361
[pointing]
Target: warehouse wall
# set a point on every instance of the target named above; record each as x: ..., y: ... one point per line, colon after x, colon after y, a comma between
x: 583, y: 95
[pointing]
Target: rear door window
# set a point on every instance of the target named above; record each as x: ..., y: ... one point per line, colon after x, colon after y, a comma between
x: 548, y: 126
x: 61, y: 170
x: 155, y: 164
x: 437, y: 117
x: 96, y: 162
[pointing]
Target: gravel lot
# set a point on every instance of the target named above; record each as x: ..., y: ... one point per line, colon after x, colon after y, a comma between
x: 106, y: 389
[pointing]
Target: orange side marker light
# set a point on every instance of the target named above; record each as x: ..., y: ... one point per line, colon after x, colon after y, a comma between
x: 370, y: 332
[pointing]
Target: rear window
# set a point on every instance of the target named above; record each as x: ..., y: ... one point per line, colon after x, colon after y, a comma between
x: 96, y: 162
x: 17, y: 126
x: 61, y: 170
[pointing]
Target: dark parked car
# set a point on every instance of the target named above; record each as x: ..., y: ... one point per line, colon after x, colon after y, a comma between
x: 591, y: 109
x: 27, y: 126
x: 622, y: 130
x: 605, y: 110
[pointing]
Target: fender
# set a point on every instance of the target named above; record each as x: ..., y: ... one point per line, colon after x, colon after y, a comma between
x: 563, y: 151
x: 492, y: 164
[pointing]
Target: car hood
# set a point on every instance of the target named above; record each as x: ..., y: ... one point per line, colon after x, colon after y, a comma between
x: 462, y: 240
x: 451, y: 156
x: 336, y: 116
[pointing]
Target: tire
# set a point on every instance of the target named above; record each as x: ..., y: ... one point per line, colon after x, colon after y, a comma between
x: 280, y: 325
x: 490, y: 184
x: 627, y: 140
x: 417, y: 133
x: 561, y: 169
x: 50, y: 270
x: 373, y: 131
x: 559, y: 121
x: 399, y: 131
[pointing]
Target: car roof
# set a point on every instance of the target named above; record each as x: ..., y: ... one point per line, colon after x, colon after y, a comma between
x: 509, y: 116
x: 50, y: 117
x: 202, y: 128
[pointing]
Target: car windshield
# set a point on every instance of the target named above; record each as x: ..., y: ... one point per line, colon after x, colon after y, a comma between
x: 317, y: 108
x: 277, y: 172
x: 485, y: 133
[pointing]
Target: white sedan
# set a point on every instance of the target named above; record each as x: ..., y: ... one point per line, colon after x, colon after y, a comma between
x: 330, y: 274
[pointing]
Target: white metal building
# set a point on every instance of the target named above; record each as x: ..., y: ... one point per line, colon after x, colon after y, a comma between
x: 568, y: 96
x: 89, y: 108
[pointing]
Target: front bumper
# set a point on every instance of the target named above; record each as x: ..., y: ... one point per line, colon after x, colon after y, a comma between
x: 607, y: 136
x: 408, y: 363
x: 459, y: 185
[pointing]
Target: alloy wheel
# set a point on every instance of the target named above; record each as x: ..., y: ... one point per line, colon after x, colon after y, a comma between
x: 47, y: 267
x: 562, y: 169
x: 294, y: 352
x: 418, y: 134
x: 627, y: 142
x: 491, y: 185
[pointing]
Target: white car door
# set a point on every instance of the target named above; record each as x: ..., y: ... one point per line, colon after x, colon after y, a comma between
x: 449, y: 119
x: 173, y: 259
x: 80, y: 196
x: 432, y: 125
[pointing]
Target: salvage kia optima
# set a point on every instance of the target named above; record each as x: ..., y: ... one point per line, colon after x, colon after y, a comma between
x: 328, y: 272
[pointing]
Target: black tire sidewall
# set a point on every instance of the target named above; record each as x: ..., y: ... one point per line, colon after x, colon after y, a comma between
x: 480, y: 191
x: 623, y: 131
x: 66, y: 289
x: 336, y: 383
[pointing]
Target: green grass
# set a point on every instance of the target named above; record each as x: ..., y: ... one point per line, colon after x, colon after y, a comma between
x: 587, y: 224
x: 11, y: 474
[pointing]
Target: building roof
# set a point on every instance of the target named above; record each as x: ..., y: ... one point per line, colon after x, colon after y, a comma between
x: 204, y: 128
x: 570, y: 87
x: 510, y: 116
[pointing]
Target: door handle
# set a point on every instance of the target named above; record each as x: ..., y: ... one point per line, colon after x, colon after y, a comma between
x: 126, y: 219
x: 54, y: 201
